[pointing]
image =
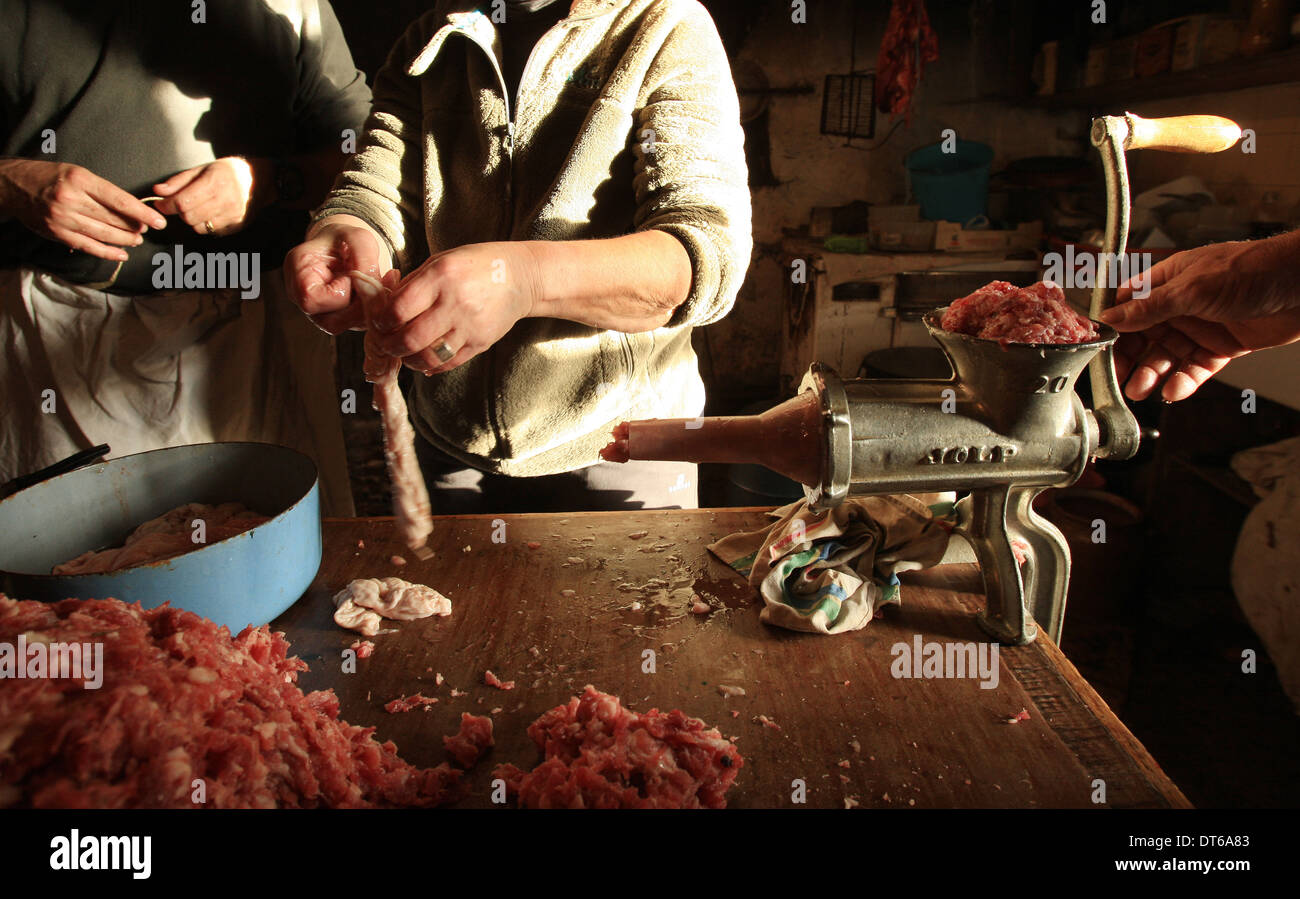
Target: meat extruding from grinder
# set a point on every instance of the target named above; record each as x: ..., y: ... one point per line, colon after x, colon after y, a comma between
x: 1009, y: 314
x: 165, y: 537
x: 597, y: 754
x: 181, y: 700
x: 364, y: 603
x: 410, y: 495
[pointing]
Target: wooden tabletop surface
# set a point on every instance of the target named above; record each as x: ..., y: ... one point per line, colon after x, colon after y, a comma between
x: 939, y: 743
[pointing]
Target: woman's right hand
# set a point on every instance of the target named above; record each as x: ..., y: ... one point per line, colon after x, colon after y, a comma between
x: 74, y: 206
x: 316, y: 272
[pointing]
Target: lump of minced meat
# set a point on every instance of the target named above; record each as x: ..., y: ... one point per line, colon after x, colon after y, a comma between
x: 363, y: 648
x: 165, y: 537
x: 471, y: 741
x: 243, y: 727
x: 363, y: 604
x: 406, y: 703
x: 493, y: 681
x: 1009, y: 314
x: 597, y: 754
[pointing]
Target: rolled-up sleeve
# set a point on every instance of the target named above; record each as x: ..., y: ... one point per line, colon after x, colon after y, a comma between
x: 691, y: 179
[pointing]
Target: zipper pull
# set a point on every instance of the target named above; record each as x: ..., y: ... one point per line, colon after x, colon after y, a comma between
x: 510, y: 137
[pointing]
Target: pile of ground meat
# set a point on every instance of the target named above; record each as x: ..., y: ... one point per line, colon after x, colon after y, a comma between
x: 1009, y: 314
x: 597, y: 754
x: 182, y: 701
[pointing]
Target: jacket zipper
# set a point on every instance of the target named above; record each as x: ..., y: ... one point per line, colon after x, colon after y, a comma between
x: 493, y: 411
x: 510, y: 113
x: 510, y: 120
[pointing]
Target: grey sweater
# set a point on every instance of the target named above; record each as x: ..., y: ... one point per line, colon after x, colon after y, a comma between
x: 627, y: 121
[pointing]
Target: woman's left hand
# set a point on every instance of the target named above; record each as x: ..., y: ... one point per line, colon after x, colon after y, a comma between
x: 217, y: 198
x: 466, y: 298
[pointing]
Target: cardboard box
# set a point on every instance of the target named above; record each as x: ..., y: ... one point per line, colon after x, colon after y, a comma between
x: 1203, y: 40
x: 904, y: 236
x: 952, y: 237
x: 1094, y: 71
x: 1155, y: 50
x: 1121, y: 60
x: 879, y: 216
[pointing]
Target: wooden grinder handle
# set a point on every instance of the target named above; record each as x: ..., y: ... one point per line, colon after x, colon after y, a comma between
x: 1182, y: 134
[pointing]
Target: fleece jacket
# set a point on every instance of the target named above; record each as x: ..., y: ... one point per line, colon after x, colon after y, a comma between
x: 627, y: 120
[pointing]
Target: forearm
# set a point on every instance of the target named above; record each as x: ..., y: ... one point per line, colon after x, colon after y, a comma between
x: 1271, y: 267
x: 630, y: 283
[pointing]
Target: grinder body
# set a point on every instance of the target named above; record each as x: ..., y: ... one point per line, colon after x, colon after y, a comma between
x: 1007, y: 425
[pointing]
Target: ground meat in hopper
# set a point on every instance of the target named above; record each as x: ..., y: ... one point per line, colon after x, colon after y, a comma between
x: 1009, y: 314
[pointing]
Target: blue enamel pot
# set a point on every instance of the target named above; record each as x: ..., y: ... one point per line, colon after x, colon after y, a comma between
x: 246, y: 579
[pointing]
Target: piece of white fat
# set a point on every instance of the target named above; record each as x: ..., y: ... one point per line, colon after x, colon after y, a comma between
x: 362, y: 605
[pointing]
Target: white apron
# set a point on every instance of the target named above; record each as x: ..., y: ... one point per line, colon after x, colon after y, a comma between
x: 167, y: 369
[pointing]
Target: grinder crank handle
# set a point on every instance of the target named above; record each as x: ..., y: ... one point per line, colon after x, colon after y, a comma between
x: 1182, y: 133
x: 1112, y: 135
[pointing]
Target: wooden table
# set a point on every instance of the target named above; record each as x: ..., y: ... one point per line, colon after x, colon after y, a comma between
x: 938, y: 743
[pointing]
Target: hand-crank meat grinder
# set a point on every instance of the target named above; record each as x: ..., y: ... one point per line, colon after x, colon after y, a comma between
x: 1004, y: 428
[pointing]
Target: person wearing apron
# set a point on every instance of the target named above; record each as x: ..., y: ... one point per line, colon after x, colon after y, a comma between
x: 162, y: 323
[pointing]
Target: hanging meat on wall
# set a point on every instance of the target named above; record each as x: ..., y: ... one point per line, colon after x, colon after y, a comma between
x: 908, y: 45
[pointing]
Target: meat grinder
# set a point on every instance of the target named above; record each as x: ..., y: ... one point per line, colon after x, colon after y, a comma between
x: 1006, y: 426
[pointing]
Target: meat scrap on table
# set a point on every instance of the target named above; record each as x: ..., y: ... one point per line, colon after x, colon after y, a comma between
x: 472, y: 740
x: 364, y: 603
x: 167, y: 536
x: 410, y: 495
x: 182, y: 700
x: 493, y: 681
x: 598, y: 754
x: 406, y: 703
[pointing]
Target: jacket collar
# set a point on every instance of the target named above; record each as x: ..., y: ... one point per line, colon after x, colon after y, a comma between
x: 466, y: 17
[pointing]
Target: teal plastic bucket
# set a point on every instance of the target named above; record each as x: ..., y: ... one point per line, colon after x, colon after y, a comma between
x: 951, y: 187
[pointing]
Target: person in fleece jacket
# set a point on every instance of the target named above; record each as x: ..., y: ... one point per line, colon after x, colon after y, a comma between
x: 563, y: 186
